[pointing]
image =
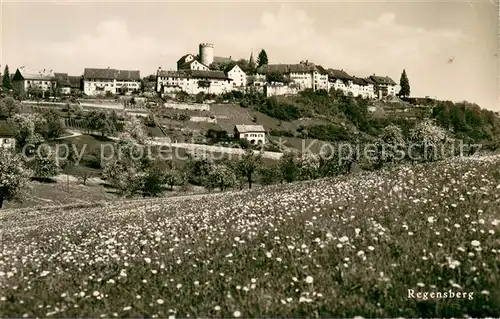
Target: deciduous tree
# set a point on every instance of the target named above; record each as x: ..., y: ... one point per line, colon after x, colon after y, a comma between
x: 14, y: 176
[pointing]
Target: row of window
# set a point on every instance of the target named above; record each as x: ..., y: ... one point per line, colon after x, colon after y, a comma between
x: 38, y: 82
x: 252, y: 135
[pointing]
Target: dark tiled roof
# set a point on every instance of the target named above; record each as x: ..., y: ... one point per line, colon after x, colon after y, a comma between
x: 208, y: 74
x: 249, y: 128
x: 339, y: 74
x: 174, y: 74
x: 62, y: 79
x: 194, y: 74
x: 182, y: 60
x: 287, y: 68
x: 321, y: 69
x: 188, y: 64
x: 25, y: 74
x: 384, y: 80
x: 75, y: 81
x: 111, y: 74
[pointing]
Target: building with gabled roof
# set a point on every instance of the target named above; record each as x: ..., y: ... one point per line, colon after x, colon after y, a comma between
x: 255, y: 134
x: 25, y: 79
x: 98, y: 81
x: 238, y: 76
x: 305, y: 75
x: 68, y: 84
x: 7, y: 135
x: 192, y: 81
x: 384, y: 86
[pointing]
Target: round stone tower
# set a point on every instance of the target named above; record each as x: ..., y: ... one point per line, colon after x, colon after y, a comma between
x: 206, y: 53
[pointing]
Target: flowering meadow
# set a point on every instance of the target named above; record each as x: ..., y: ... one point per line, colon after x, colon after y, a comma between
x: 342, y: 247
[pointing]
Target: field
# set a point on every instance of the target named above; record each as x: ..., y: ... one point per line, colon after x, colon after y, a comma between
x: 343, y: 247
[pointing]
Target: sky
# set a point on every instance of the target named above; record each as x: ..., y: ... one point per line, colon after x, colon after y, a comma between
x: 449, y: 49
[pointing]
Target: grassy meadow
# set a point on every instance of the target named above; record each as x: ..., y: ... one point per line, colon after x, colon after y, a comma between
x: 342, y: 247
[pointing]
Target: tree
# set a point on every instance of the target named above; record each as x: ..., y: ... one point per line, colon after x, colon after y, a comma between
x: 52, y: 125
x: 404, y: 83
x: 248, y: 164
x: 45, y: 165
x: 251, y: 64
x: 172, y: 177
x: 308, y: 164
x: 6, y: 78
x: 289, y: 167
x: 126, y: 171
x: 28, y: 129
x: 14, y: 176
x: 152, y: 182
x: 221, y: 175
x: 262, y: 58
x: 8, y: 107
x: 269, y: 175
x: 429, y: 139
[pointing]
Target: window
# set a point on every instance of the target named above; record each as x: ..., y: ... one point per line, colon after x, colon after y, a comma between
x: 6, y: 141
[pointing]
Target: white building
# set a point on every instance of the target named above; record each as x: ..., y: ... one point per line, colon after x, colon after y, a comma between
x: 189, y: 62
x: 100, y: 81
x: 7, y: 136
x: 238, y: 76
x: 24, y: 80
x: 340, y: 80
x: 304, y: 75
x: 255, y: 134
x: 384, y: 86
x: 193, y: 81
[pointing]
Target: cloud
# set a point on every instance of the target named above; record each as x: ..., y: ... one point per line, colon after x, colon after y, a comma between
x: 290, y: 35
x: 111, y: 44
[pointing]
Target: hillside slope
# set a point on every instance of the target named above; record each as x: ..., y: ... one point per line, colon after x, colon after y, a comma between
x: 331, y: 248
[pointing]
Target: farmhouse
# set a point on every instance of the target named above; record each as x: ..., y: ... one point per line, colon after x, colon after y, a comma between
x: 255, y: 134
x: 192, y: 81
x: 101, y: 81
x: 25, y: 80
x: 7, y: 136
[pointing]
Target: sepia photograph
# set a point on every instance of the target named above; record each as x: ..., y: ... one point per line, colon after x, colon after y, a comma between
x: 249, y: 159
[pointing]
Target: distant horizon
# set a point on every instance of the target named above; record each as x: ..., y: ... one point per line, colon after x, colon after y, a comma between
x: 449, y: 49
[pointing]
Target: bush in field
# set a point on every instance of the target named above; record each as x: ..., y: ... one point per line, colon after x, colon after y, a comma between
x: 152, y: 182
x: 14, y: 176
x: 269, y: 175
x: 8, y: 107
x: 333, y: 163
x: 126, y: 170
x: 52, y: 126
x: 28, y: 129
x: 172, y: 177
x: 309, y: 165
x: 391, y: 146
x: 279, y: 110
x: 45, y: 165
x: 134, y: 128
x: 430, y: 140
x: 289, y: 167
x: 248, y: 165
x: 197, y: 168
x: 221, y: 175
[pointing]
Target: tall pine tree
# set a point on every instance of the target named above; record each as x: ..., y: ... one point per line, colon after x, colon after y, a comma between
x: 251, y: 64
x: 262, y: 58
x: 6, y: 78
x: 404, y: 83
